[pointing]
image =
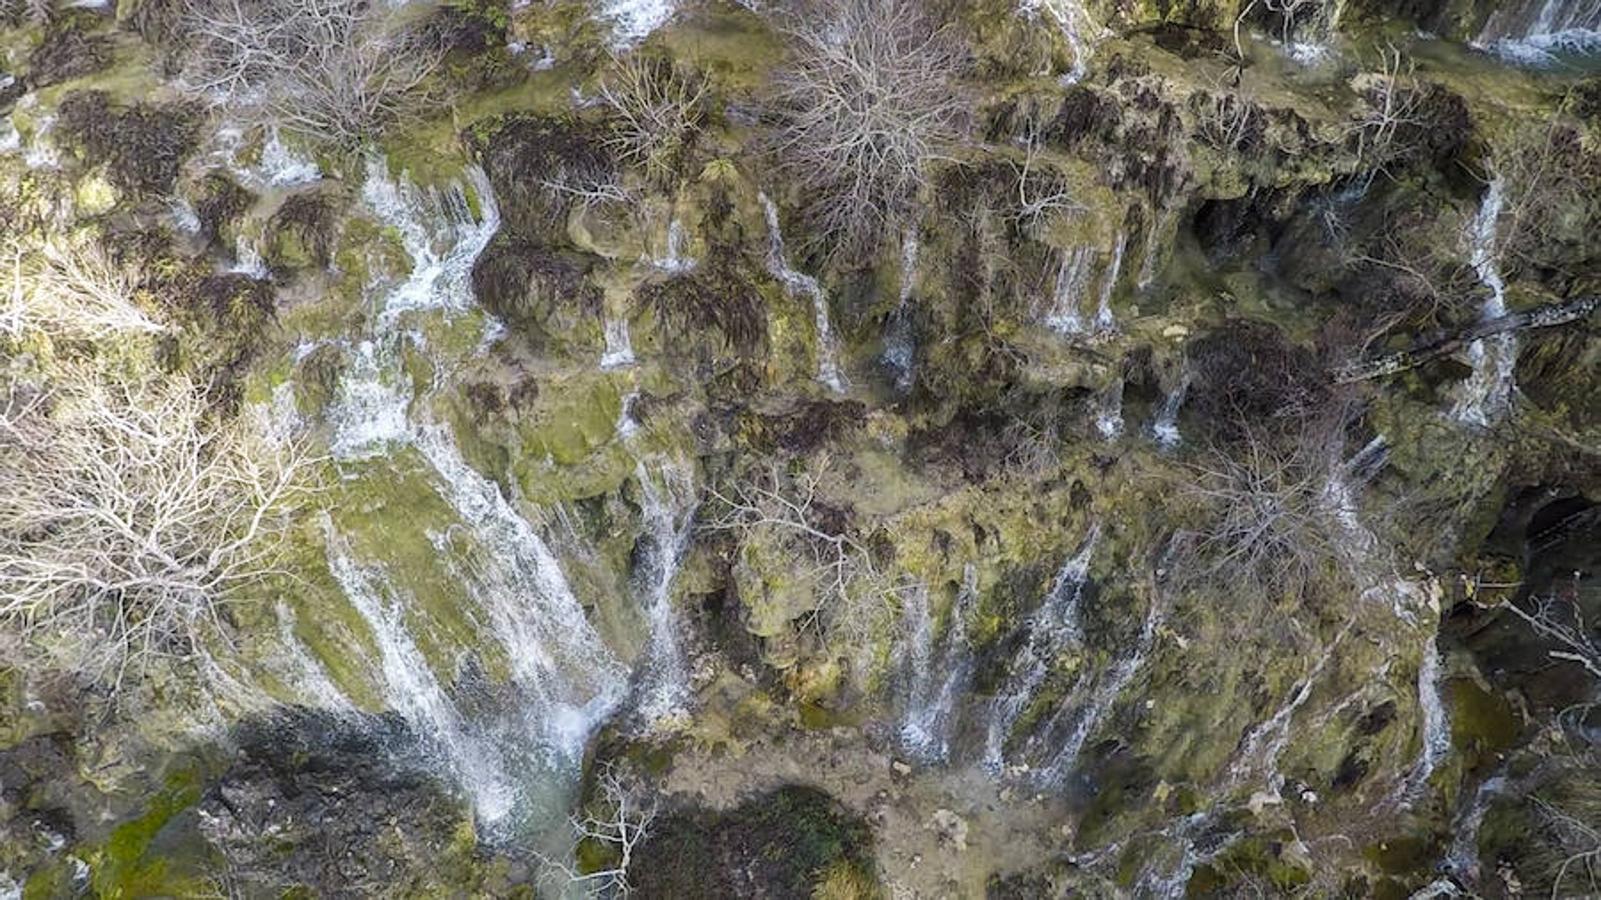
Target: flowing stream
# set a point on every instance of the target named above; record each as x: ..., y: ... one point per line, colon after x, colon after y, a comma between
x: 900, y: 348
x: 1072, y: 282
x: 1488, y: 391
x: 1543, y: 32
x: 796, y: 282
x: 1055, y: 627
x: 513, y: 739
x: 937, y: 678
x: 669, y: 500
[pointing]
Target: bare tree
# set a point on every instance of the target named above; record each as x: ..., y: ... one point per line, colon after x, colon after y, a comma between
x: 71, y: 289
x: 620, y: 825
x: 1042, y: 193
x: 329, y: 70
x: 867, y: 100
x: 853, y: 596
x: 1278, y: 518
x: 656, y: 110
x: 131, y: 516
x: 1560, y: 620
x: 1388, y: 113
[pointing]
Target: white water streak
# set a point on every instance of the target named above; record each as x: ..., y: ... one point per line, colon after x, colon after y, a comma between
x: 1487, y: 393
x: 1054, y: 627
x: 1072, y: 282
x: 795, y: 282
x: 411, y: 688
x: 669, y: 502
x: 1104, y: 320
x: 936, y: 682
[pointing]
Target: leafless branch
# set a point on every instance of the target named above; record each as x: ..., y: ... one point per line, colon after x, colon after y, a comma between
x: 867, y: 100
x: 852, y: 595
x: 329, y: 70
x: 656, y: 110
x: 622, y: 823
x: 131, y: 517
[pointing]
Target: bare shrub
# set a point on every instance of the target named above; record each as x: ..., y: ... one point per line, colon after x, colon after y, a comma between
x: 1389, y: 114
x: 1268, y: 528
x: 783, y: 511
x: 1560, y: 621
x: 71, y: 289
x: 656, y: 111
x: 1553, y: 185
x: 131, y: 517
x: 618, y: 822
x: 867, y: 100
x: 334, y: 70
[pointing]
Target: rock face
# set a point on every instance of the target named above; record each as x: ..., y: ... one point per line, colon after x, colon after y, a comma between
x: 1149, y: 502
x: 330, y: 803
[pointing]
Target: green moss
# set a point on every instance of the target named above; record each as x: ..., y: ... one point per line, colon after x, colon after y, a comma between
x: 123, y: 867
x: 1482, y: 723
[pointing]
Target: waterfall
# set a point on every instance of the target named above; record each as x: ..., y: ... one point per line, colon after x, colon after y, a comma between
x: 428, y: 220
x: 936, y: 682
x: 370, y: 411
x: 305, y: 673
x: 676, y: 260
x: 412, y: 690
x: 1072, y: 280
x: 517, y: 747
x: 1077, y: 28
x: 1541, y: 32
x: 1263, y: 744
x: 668, y: 512
x: 184, y: 217
x: 1463, y: 859
x: 1153, y: 249
x: 899, y: 347
x: 556, y: 654
x: 1107, y: 689
x: 1488, y: 390
x: 633, y: 20
x: 1434, y: 727
x: 627, y: 425
x: 1053, y: 628
x: 1109, y: 411
x: 800, y: 283
x: 619, y: 350
x: 1104, y: 321
x: 1165, y: 429
x: 247, y: 256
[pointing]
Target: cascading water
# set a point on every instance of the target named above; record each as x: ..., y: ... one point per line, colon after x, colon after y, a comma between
x: 1077, y: 28
x: 619, y: 350
x: 800, y: 283
x: 899, y: 347
x: 411, y: 688
x: 1260, y: 750
x: 1165, y: 428
x: 936, y: 680
x: 1072, y: 281
x: 1109, y: 411
x: 668, y: 504
x: 1463, y: 858
x: 676, y: 259
x: 1153, y: 249
x: 1109, y: 686
x: 1543, y: 32
x: 517, y: 747
x: 1488, y: 391
x: 1435, y: 726
x: 633, y: 20
x: 1054, y: 628
x: 1104, y: 320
